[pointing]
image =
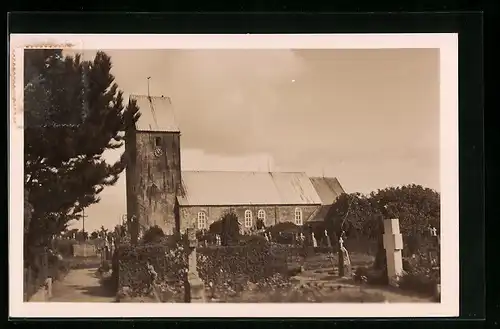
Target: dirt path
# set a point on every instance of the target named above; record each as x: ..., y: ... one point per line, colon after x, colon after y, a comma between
x: 83, y: 286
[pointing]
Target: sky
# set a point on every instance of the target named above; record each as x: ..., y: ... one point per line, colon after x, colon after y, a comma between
x: 368, y: 117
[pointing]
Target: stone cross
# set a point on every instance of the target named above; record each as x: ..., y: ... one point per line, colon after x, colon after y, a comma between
x: 393, y: 245
x: 314, y: 242
x: 195, y: 289
x: 270, y: 237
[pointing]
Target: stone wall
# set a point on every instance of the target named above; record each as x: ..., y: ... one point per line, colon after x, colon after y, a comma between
x: 154, y: 179
x: 274, y: 214
x: 84, y: 250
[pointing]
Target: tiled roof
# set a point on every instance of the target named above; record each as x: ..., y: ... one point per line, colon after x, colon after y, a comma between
x: 211, y: 188
x: 157, y: 114
x: 328, y: 189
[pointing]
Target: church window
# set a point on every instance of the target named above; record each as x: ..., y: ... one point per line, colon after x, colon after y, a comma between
x: 248, y: 218
x: 202, y: 220
x: 298, y: 216
x: 157, y: 141
x: 261, y: 215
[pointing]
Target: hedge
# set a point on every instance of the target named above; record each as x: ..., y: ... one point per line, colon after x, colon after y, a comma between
x: 65, y: 247
x: 218, y: 267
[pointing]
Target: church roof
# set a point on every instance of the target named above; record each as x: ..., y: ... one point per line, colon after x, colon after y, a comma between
x: 328, y: 189
x: 157, y: 114
x: 232, y: 188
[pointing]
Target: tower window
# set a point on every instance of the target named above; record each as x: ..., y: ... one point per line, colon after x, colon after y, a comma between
x: 157, y: 141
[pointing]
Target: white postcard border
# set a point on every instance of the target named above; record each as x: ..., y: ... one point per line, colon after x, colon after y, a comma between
x: 448, y: 45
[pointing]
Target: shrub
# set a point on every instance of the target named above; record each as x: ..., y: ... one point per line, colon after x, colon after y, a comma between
x: 132, y: 265
x: 256, y: 261
x: 423, y: 280
x: 285, y: 227
x: 65, y: 247
x: 153, y: 234
x: 220, y: 267
x: 370, y: 275
x: 252, y: 240
x: 228, y: 227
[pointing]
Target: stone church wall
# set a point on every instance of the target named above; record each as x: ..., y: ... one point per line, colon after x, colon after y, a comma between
x: 274, y: 214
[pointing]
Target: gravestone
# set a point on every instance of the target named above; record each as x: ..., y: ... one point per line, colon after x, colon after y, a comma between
x: 152, y: 276
x: 393, y: 245
x: 195, y: 289
x: 328, y: 241
x: 346, y: 270
x: 314, y: 242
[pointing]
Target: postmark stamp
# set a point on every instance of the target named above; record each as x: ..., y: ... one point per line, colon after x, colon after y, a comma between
x: 34, y: 100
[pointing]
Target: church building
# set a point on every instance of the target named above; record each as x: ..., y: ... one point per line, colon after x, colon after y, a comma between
x: 160, y: 193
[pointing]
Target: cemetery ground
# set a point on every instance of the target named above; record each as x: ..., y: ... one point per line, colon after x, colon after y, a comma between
x: 250, y: 269
x: 318, y: 282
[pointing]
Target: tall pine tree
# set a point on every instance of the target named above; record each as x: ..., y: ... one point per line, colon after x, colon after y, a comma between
x: 73, y: 112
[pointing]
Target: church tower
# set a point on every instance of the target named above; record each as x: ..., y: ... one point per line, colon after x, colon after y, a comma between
x: 153, y: 174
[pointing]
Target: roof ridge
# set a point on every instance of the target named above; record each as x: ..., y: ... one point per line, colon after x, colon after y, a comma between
x: 249, y: 171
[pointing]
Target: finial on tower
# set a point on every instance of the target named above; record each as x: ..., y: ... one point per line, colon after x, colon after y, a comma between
x: 149, y: 96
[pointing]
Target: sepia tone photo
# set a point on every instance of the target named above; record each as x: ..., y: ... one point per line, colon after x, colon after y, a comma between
x: 231, y: 175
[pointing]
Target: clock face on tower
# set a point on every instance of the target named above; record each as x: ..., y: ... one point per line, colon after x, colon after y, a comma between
x: 158, y: 152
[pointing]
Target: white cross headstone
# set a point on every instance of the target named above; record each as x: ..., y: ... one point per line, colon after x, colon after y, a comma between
x: 393, y: 245
x: 315, y: 243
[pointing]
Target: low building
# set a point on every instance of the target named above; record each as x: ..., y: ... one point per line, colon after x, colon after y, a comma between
x: 273, y: 197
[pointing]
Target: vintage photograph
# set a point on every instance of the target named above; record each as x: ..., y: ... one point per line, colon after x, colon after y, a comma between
x: 231, y: 175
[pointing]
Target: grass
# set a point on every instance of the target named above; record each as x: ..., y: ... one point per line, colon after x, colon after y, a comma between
x: 305, y: 294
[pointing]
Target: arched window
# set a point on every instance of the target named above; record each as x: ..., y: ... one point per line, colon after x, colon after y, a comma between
x: 248, y: 218
x: 261, y: 215
x: 202, y: 220
x: 298, y: 216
